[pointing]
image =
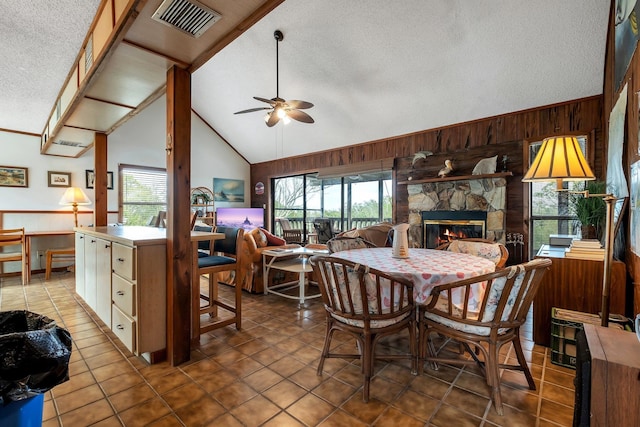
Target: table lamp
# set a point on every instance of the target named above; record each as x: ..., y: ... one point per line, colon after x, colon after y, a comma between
x: 560, y: 159
x: 74, y: 196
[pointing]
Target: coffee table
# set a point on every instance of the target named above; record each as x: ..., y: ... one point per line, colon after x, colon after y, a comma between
x: 297, y: 261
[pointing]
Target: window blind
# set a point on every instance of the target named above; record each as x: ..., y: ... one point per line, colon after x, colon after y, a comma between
x: 143, y: 193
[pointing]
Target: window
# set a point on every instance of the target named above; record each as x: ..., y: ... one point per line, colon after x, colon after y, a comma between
x: 353, y: 201
x: 143, y: 193
x: 550, y: 210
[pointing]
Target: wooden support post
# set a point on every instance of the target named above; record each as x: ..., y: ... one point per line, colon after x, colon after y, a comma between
x: 100, y: 180
x: 178, y: 149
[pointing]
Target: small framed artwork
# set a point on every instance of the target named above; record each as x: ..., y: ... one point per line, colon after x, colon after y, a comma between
x: 90, y: 179
x: 14, y: 176
x: 59, y: 179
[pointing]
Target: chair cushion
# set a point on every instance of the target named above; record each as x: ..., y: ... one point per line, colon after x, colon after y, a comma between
x: 259, y: 237
x: 214, y: 261
x: 489, y: 251
x: 373, y: 323
x: 273, y: 240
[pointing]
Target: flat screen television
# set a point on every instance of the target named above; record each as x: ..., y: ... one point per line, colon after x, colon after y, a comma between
x: 247, y: 218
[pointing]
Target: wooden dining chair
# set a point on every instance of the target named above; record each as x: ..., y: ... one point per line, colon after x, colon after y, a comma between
x: 482, y: 330
x: 338, y: 244
x: 225, y: 257
x: 368, y: 304
x: 494, y: 251
x: 12, y: 247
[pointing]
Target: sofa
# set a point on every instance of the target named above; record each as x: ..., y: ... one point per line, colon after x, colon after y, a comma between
x: 376, y: 233
x: 256, y: 242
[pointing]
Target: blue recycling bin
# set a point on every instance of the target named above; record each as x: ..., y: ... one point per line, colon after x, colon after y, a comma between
x: 23, y: 413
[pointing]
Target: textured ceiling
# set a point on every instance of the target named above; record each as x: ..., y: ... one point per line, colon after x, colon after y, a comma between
x: 373, y: 69
x: 40, y: 41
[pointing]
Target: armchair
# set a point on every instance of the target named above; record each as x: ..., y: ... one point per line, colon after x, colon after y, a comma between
x: 367, y: 304
x: 291, y: 235
x: 493, y: 251
x: 508, y: 296
x: 324, y: 229
x: 257, y: 241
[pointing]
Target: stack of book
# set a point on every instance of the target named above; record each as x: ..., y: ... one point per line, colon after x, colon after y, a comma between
x: 585, y: 249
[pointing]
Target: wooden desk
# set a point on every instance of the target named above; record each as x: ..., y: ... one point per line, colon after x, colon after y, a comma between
x: 28, y: 235
x: 615, y: 376
x: 574, y: 284
x: 198, y: 236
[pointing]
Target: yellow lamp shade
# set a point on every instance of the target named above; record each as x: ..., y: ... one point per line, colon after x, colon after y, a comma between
x: 559, y: 159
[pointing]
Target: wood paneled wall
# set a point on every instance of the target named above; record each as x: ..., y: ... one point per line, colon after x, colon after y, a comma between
x: 631, y: 153
x: 505, y: 134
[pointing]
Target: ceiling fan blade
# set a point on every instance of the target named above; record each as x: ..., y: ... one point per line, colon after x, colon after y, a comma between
x: 300, y: 116
x: 251, y: 110
x: 273, y: 119
x: 299, y: 105
x: 268, y: 101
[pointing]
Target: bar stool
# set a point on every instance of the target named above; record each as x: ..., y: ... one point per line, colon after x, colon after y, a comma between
x: 58, y: 255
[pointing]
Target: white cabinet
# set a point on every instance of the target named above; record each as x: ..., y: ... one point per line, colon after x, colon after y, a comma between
x: 93, y: 274
x: 103, y: 280
x: 125, y: 283
x: 80, y: 239
x: 90, y: 279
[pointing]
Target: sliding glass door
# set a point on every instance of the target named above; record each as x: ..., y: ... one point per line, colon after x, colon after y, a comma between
x: 351, y: 201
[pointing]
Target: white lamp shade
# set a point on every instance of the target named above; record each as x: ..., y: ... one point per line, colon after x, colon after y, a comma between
x: 74, y: 196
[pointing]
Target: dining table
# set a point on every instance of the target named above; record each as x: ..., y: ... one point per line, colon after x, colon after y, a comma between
x: 426, y: 268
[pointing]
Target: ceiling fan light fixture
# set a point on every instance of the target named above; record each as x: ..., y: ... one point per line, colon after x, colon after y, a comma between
x: 279, y: 109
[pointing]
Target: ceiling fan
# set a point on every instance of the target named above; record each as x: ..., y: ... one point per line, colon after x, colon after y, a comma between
x: 281, y: 109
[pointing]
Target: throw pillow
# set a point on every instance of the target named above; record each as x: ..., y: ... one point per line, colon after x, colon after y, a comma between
x: 259, y: 237
x: 273, y: 240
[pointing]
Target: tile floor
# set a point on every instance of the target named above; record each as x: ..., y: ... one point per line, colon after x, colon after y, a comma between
x: 265, y: 375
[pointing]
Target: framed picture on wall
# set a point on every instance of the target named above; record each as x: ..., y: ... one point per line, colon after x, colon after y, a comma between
x: 228, y: 190
x: 14, y: 176
x: 90, y: 179
x: 59, y: 179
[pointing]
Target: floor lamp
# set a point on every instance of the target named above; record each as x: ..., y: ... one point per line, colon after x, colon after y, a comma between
x: 560, y: 159
x: 74, y: 196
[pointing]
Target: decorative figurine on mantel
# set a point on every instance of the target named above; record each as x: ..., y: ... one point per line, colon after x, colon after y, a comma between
x: 420, y: 155
x: 486, y: 166
x: 446, y: 170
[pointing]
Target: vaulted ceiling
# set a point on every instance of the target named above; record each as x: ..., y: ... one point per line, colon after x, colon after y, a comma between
x: 373, y: 69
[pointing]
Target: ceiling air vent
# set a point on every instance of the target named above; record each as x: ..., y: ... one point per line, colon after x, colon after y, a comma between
x: 188, y: 16
x: 69, y: 143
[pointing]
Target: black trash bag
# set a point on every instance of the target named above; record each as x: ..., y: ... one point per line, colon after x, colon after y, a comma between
x: 34, y: 355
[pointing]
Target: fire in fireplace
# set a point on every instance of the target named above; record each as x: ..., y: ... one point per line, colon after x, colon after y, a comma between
x: 443, y: 226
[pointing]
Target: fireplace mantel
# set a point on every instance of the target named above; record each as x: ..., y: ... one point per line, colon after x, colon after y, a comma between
x: 457, y: 178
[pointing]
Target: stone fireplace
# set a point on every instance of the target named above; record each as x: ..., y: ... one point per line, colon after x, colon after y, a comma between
x: 449, y: 198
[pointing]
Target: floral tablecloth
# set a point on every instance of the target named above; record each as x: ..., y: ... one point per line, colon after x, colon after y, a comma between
x: 426, y: 268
